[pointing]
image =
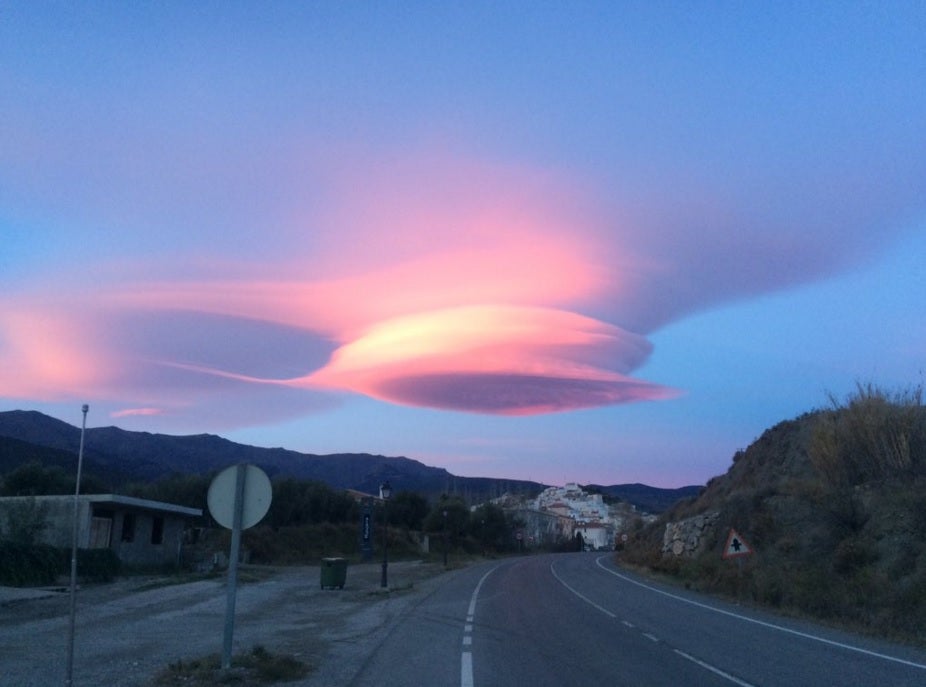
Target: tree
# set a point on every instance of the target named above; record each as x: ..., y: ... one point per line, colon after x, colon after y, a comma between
x: 490, y: 526
x: 34, y: 479
x: 288, y: 505
x: 179, y: 489
x: 305, y: 502
x: 454, y: 523
x: 24, y: 521
x: 408, y: 509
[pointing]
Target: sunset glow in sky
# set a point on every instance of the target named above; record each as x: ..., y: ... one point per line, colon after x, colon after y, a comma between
x: 597, y: 242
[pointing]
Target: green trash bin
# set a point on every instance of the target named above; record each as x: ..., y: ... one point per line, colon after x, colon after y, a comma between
x: 334, y: 572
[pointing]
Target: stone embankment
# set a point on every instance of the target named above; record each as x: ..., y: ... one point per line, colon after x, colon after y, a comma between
x: 686, y: 537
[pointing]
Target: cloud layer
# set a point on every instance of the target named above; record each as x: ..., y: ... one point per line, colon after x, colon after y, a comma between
x: 238, y: 237
x: 435, y: 281
x: 445, y: 290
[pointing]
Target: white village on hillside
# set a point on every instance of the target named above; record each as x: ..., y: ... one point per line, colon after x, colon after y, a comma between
x: 567, y: 512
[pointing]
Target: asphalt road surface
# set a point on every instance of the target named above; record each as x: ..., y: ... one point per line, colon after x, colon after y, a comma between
x: 576, y: 619
x: 557, y: 620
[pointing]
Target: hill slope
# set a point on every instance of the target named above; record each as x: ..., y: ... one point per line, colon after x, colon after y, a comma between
x: 835, y: 516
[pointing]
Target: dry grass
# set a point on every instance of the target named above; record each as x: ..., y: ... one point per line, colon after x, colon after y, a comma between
x: 257, y: 666
x: 875, y: 434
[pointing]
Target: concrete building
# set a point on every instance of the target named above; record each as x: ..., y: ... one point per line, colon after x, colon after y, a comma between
x: 596, y: 535
x: 543, y: 528
x: 140, y: 531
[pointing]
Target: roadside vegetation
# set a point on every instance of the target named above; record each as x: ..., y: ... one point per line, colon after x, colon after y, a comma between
x: 26, y: 562
x: 258, y: 666
x: 302, y: 538
x: 307, y: 521
x: 833, y: 504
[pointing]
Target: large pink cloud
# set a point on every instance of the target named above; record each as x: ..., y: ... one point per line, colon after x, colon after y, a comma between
x: 428, y: 279
x: 434, y: 281
x: 493, y: 359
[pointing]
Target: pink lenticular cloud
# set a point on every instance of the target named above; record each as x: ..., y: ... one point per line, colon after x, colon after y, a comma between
x: 493, y: 359
x: 432, y: 282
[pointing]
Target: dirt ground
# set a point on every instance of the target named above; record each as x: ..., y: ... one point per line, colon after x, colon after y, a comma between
x: 129, y: 630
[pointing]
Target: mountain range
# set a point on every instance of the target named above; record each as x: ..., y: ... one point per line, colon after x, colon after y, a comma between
x: 119, y: 456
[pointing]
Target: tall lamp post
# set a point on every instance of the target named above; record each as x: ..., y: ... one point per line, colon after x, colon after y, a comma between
x: 445, y: 539
x: 80, y: 461
x: 482, y: 536
x: 385, y: 491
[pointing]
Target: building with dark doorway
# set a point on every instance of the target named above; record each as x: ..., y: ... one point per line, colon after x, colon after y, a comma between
x: 141, y: 532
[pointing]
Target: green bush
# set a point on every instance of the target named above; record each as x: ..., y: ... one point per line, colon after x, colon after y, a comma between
x: 23, y: 565
x: 852, y: 554
x: 96, y: 565
x: 307, y: 544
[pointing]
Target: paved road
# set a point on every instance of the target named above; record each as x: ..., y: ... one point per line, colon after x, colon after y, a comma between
x: 554, y: 620
x: 574, y: 619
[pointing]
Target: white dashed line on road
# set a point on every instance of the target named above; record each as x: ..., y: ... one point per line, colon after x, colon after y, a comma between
x: 466, y: 658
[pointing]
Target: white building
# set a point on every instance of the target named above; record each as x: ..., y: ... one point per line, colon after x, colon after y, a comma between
x: 592, y: 516
x: 596, y: 535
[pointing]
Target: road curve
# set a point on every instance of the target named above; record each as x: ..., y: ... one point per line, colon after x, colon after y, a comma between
x: 569, y: 619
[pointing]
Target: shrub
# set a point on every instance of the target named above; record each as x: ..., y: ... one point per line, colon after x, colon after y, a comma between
x: 96, y: 565
x: 24, y: 521
x: 258, y: 666
x: 874, y: 435
x: 851, y: 554
x: 23, y: 565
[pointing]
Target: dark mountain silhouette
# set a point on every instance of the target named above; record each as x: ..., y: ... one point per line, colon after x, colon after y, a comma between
x: 121, y: 456
x: 646, y: 498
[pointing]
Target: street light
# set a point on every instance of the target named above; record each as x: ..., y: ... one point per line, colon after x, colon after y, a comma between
x: 445, y: 538
x: 385, y: 491
x: 482, y: 535
x: 80, y: 461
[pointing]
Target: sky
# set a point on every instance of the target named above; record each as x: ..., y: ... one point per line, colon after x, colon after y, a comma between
x: 594, y: 242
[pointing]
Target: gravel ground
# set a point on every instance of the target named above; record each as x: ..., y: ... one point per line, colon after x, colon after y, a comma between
x: 129, y: 630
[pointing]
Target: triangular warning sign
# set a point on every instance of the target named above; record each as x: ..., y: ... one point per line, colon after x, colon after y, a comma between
x: 736, y: 545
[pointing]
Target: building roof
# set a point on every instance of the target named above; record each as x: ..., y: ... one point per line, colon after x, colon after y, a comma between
x: 119, y: 500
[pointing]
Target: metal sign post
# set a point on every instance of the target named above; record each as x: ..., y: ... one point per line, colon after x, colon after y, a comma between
x: 232, y: 586
x: 73, y: 588
x: 238, y: 498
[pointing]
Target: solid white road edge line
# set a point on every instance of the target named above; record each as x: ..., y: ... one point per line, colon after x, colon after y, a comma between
x: 772, y: 626
x: 718, y: 671
x: 651, y: 637
x: 580, y: 595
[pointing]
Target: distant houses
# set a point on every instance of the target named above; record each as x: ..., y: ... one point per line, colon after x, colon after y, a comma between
x: 563, y: 513
x: 141, y: 532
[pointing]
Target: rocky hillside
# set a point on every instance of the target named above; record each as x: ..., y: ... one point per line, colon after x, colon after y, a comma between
x: 832, y: 505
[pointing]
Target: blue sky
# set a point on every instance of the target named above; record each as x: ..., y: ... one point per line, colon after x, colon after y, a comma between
x: 595, y: 242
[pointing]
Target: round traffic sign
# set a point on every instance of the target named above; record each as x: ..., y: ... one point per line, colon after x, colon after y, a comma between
x: 256, y: 502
